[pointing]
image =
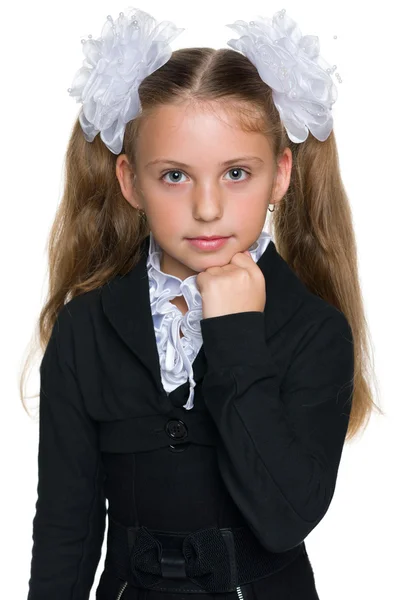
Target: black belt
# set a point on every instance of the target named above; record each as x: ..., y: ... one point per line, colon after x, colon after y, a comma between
x: 207, y: 560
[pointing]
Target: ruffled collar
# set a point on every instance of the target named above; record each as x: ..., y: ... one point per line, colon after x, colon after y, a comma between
x: 177, y: 354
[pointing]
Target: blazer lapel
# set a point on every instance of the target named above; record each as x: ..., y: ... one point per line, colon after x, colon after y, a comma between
x: 126, y: 304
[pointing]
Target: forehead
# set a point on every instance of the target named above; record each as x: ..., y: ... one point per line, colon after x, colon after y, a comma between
x: 192, y: 128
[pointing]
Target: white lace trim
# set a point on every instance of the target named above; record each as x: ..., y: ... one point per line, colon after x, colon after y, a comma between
x: 177, y: 354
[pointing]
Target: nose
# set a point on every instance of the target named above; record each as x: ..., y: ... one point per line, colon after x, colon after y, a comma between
x: 207, y: 203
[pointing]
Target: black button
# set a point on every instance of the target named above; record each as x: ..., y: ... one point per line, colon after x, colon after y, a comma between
x: 176, y: 429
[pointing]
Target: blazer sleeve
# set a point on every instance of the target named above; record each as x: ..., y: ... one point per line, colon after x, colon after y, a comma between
x: 281, y: 438
x: 69, y: 523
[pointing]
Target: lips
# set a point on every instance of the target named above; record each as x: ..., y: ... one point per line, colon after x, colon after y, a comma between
x: 213, y: 237
x: 211, y: 243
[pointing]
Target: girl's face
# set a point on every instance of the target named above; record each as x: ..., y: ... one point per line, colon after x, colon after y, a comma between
x: 199, y: 174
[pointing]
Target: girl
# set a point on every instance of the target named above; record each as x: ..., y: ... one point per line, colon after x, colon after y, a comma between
x: 204, y: 388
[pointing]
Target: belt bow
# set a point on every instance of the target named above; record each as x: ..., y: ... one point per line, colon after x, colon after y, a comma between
x: 203, y: 558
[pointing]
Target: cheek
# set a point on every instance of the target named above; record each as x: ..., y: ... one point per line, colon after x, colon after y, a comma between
x: 165, y: 215
x: 249, y: 216
x: 250, y: 208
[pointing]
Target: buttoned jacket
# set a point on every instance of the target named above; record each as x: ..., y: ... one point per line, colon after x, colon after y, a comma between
x: 273, y: 394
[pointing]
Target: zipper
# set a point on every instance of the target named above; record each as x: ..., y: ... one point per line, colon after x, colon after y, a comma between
x: 239, y: 593
x: 121, y: 591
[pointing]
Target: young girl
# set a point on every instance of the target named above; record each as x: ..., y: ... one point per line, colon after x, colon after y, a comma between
x: 204, y: 388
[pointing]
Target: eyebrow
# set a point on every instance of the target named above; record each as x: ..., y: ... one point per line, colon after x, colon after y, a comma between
x: 221, y: 164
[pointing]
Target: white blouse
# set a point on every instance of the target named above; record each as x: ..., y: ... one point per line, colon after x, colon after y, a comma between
x: 177, y: 354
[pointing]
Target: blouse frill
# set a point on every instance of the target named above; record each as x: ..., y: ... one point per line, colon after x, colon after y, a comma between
x: 176, y: 354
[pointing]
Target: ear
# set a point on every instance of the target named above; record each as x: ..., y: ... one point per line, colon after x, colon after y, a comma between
x: 125, y: 175
x: 282, y: 176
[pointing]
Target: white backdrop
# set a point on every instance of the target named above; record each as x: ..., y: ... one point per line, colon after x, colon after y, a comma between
x: 354, y: 550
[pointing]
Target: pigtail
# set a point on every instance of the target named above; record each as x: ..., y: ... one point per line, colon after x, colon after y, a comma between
x: 314, y: 233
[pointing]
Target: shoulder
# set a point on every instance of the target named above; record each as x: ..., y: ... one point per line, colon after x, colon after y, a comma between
x: 72, y: 323
x: 319, y: 309
x: 315, y: 327
x: 293, y: 310
x: 319, y: 312
x: 325, y: 333
x: 80, y: 310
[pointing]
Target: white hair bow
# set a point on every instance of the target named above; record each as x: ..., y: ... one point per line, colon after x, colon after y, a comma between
x: 134, y: 46
x: 301, y: 82
x: 128, y: 50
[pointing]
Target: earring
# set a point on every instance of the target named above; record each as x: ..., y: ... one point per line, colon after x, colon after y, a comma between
x: 141, y: 212
x: 271, y: 210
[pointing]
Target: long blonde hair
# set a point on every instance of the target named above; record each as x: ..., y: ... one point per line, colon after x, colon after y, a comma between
x: 96, y: 233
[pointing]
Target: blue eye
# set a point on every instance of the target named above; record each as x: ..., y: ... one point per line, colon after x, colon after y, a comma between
x: 167, y: 173
x: 243, y: 171
x: 175, y: 171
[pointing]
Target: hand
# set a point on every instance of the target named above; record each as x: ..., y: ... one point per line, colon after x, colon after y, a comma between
x: 236, y: 287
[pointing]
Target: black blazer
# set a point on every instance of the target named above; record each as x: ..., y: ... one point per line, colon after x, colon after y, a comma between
x: 272, y: 401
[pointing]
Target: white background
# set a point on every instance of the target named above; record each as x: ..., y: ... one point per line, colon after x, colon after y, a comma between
x: 354, y: 550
